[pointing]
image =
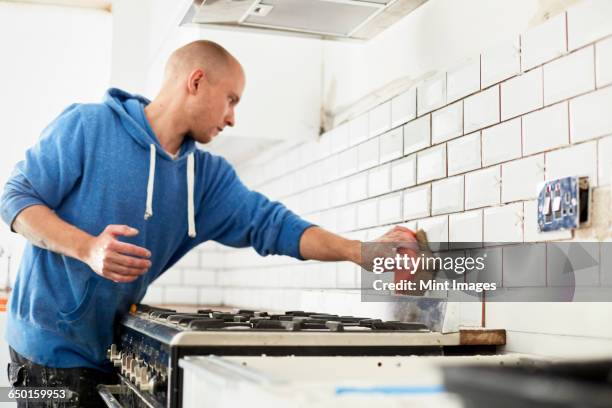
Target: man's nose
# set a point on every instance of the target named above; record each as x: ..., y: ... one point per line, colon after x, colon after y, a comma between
x: 230, y: 119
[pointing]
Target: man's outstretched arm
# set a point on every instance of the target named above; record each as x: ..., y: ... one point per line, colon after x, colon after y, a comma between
x: 321, y: 245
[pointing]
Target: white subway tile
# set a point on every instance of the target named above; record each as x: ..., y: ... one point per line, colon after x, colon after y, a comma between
x: 436, y: 228
x: 501, y: 142
x: 482, y: 188
x: 380, y: 119
x: 522, y: 94
x: 170, y: 277
x: 339, y: 193
x: 358, y: 129
x: 347, y: 218
x: 154, y: 296
x: 603, y: 62
x: 504, y: 224
x: 340, y: 137
x: 358, y: 187
x: 577, y: 160
x: 368, y: 154
x: 464, y: 154
x: 532, y: 234
x: 417, y: 134
x: 181, y: 295
x: 348, y: 162
x: 345, y: 275
x: 390, y: 208
x: 588, y: 21
x: 403, y: 172
x: 321, y: 197
x: 591, y: 115
x: 323, y: 148
x: 204, y: 277
x: 330, y: 168
x: 190, y: 260
x: 403, y: 107
x: 463, y: 80
x: 391, y: 145
x: 431, y: 163
x: 481, y: 110
x: 431, y: 94
x: 569, y: 76
x: 417, y: 202
x: 447, y: 123
x: 379, y: 180
x: 604, y: 149
x: 367, y: 213
x: 543, y: 42
x: 524, y: 265
x: 501, y: 62
x: 210, y: 296
x: 465, y: 226
x: 545, y: 129
x: 447, y: 195
x: 520, y: 178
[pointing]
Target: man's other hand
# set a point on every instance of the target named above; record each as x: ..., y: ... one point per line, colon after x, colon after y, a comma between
x: 116, y: 260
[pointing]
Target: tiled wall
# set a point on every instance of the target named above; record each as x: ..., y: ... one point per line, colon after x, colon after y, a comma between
x: 458, y: 155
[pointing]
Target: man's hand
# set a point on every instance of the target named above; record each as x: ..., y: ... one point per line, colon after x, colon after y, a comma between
x: 116, y: 260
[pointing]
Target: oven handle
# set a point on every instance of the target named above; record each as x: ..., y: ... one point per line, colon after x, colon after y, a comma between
x: 106, y: 393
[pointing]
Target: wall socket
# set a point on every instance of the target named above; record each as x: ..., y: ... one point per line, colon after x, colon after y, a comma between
x: 564, y: 203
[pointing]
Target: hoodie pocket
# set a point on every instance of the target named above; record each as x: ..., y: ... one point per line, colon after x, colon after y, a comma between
x: 83, y: 304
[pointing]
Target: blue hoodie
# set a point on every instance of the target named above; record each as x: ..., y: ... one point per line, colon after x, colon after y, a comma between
x: 101, y: 164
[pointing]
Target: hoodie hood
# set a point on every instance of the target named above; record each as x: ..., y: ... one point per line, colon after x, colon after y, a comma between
x: 130, y: 109
x: 127, y: 105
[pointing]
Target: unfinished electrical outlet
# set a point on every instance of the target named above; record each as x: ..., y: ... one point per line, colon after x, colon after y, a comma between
x: 564, y: 204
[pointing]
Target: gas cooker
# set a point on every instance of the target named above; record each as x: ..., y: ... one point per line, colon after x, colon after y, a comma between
x: 150, y: 341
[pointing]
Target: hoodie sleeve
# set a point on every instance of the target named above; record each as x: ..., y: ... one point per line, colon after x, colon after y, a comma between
x: 50, y: 170
x: 238, y: 217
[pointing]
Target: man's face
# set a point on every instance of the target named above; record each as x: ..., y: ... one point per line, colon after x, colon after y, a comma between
x: 211, y: 108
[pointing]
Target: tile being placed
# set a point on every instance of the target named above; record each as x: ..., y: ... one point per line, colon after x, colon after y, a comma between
x: 403, y: 107
x: 447, y: 123
x: 501, y: 142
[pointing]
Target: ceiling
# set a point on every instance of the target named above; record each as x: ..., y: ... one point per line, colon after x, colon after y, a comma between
x: 93, y: 4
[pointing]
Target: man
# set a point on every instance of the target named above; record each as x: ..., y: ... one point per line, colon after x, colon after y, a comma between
x: 112, y: 196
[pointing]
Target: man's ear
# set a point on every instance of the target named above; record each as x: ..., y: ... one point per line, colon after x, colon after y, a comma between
x: 195, y: 80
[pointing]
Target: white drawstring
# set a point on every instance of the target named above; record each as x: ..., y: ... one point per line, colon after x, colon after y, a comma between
x: 149, y: 210
x: 190, y: 200
x: 190, y: 186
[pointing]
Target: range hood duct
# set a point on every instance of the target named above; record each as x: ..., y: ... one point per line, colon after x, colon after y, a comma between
x: 326, y: 19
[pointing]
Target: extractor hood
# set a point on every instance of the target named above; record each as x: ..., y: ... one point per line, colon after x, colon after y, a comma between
x: 327, y: 19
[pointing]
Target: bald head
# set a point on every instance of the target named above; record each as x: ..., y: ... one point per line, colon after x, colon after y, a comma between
x: 209, y: 56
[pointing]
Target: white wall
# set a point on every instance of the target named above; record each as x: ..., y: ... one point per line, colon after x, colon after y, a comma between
x: 51, y: 57
x: 514, y: 113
